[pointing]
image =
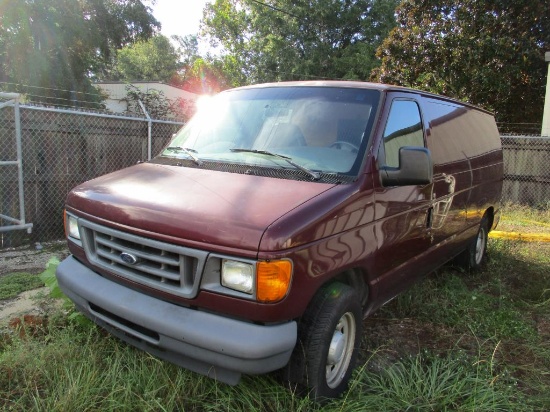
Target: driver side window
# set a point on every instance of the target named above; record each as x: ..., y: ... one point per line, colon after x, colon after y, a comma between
x: 403, y: 128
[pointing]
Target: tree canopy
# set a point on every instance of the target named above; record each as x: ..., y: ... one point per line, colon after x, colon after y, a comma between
x: 290, y: 40
x: 175, y: 62
x: 56, y: 46
x: 488, y: 52
x: 155, y: 59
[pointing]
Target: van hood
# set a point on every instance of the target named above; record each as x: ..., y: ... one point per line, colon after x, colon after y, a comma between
x: 215, y: 208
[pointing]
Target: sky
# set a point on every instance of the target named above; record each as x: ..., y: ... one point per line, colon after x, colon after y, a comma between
x: 179, y: 17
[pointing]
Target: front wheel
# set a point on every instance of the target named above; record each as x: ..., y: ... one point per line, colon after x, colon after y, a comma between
x: 329, y: 336
x: 473, y: 257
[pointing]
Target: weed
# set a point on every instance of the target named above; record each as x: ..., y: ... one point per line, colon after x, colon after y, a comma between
x: 13, y: 284
x: 523, y: 219
x: 50, y: 280
x: 430, y: 383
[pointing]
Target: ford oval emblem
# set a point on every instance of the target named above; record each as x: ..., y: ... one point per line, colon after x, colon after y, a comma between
x: 128, y: 258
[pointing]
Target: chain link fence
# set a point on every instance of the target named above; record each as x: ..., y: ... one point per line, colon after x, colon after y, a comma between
x: 526, y: 165
x: 61, y: 149
x: 527, y: 170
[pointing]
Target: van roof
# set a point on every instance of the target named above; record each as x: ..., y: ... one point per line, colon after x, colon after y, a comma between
x: 359, y: 85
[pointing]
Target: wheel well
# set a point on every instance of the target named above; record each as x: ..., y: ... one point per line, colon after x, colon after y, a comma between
x: 357, y: 280
x: 490, y: 213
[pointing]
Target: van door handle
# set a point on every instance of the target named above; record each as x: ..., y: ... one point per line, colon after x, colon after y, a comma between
x: 430, y: 217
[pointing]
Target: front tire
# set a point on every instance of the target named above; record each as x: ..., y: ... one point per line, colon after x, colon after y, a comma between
x: 473, y: 258
x: 329, y: 336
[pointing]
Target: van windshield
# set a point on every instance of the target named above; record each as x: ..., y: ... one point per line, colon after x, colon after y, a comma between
x: 318, y: 130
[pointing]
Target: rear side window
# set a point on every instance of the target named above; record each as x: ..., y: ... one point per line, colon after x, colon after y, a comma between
x: 404, y: 128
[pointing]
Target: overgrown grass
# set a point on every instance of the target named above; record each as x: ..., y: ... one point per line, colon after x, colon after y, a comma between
x: 499, y: 316
x: 426, y: 382
x: 67, y: 367
x: 455, y: 341
x: 13, y: 284
x: 523, y: 218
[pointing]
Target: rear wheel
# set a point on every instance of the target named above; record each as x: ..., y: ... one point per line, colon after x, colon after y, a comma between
x: 474, y: 256
x: 329, y: 336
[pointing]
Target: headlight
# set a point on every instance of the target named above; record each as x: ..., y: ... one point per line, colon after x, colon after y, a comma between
x: 238, y: 276
x: 71, y: 226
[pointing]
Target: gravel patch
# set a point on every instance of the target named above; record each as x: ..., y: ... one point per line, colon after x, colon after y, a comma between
x: 31, y: 259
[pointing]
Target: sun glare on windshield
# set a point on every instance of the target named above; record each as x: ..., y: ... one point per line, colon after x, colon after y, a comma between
x: 321, y: 129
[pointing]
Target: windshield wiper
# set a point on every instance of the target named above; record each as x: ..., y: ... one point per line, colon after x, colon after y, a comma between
x: 314, y: 175
x: 187, y: 151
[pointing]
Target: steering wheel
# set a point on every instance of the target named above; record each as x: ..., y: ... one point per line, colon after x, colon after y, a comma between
x: 340, y: 144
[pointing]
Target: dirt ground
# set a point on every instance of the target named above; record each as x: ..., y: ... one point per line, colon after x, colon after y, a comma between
x: 28, y: 259
x: 31, y: 259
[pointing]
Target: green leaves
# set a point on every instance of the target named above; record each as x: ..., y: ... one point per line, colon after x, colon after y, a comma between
x: 490, y: 53
x: 152, y: 60
x: 60, y: 44
x: 290, y: 40
x: 49, y: 279
x: 156, y: 103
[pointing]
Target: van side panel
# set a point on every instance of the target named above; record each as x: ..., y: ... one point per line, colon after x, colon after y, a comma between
x: 452, y: 172
x: 467, y: 157
x: 487, y: 165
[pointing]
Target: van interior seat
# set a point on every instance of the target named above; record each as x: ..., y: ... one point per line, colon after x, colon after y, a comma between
x: 279, y: 135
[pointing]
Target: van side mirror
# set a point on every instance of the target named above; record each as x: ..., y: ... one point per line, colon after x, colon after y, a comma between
x: 415, y: 168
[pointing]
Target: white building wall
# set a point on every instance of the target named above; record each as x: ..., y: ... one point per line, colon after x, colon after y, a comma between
x: 116, y: 92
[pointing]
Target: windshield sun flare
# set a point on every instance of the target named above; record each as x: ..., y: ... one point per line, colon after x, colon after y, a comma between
x: 313, y: 130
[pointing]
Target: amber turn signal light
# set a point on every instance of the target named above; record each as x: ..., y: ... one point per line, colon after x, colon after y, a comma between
x: 65, y: 222
x: 273, y: 280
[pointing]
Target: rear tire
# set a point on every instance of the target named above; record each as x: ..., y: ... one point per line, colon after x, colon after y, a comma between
x: 473, y: 258
x: 328, y: 340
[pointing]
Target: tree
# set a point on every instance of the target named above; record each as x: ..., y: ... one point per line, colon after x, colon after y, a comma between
x: 488, y: 52
x: 206, y: 75
x: 55, y: 47
x: 199, y: 74
x: 157, y: 59
x: 154, y: 59
x: 289, y: 40
x: 188, y: 48
x: 156, y: 103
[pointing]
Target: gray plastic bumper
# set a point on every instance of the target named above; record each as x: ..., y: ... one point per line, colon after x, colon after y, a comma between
x: 210, y: 344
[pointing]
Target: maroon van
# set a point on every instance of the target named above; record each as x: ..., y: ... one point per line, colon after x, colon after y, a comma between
x: 277, y: 219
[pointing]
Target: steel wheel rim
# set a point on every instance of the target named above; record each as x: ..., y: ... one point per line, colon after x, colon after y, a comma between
x: 480, y: 246
x: 340, y: 350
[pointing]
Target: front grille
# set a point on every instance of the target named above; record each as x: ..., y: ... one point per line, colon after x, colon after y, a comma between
x: 163, y: 266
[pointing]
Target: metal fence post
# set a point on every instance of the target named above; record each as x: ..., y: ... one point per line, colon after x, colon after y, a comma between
x: 20, y: 163
x: 21, y: 222
x: 545, y: 131
x: 149, y: 129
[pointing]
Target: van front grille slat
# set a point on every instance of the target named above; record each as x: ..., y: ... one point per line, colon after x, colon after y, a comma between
x: 115, y: 247
x: 163, y: 266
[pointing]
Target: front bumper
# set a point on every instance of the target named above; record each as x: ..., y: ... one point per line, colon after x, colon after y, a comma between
x: 210, y: 344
